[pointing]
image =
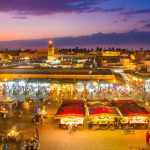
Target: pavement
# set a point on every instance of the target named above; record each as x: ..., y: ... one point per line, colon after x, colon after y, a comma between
x: 54, y: 138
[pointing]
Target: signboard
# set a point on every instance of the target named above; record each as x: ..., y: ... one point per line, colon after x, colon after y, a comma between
x: 71, y: 121
x: 138, y: 119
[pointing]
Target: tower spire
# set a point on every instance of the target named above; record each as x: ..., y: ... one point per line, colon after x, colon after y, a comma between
x: 50, y: 51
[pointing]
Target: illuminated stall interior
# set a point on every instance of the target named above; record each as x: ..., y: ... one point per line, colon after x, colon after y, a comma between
x: 71, y: 112
x: 132, y: 113
x: 103, y: 114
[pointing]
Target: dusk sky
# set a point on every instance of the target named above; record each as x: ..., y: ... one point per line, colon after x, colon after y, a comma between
x: 63, y: 19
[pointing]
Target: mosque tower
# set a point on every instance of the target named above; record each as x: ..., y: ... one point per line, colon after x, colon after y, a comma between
x: 50, y: 51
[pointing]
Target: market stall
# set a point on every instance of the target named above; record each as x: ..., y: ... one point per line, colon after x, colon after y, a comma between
x: 71, y: 113
x: 103, y: 117
x: 132, y: 113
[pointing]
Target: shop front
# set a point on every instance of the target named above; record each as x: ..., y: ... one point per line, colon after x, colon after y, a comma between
x: 104, y: 117
x: 71, y: 113
x: 133, y: 114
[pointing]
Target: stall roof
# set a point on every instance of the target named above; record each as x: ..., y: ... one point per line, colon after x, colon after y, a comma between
x: 130, y: 108
x: 99, y: 110
x: 79, y: 103
x: 119, y: 102
x: 71, y: 111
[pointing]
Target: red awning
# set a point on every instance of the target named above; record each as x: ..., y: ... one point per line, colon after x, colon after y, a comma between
x: 79, y: 103
x: 71, y: 110
x: 129, y: 107
x: 102, y: 110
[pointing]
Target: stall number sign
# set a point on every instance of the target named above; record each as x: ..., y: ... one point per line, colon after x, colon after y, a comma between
x: 71, y: 120
x: 138, y: 120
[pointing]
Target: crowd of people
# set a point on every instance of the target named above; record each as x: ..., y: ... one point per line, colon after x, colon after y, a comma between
x: 31, y: 143
x: 20, y: 90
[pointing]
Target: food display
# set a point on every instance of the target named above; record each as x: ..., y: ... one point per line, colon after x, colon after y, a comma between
x: 132, y: 113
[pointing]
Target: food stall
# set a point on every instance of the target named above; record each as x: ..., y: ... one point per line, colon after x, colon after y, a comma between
x: 103, y: 116
x: 71, y: 112
x: 73, y: 115
x: 132, y: 113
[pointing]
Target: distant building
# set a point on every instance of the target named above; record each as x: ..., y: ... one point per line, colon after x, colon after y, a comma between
x: 125, y: 62
x: 50, y: 51
x: 110, y: 53
x: 146, y: 64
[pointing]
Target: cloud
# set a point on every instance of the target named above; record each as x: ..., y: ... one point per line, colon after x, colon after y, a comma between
x: 134, y: 38
x: 147, y: 25
x: 144, y: 21
x: 135, y: 12
x: 105, y: 10
x: 49, y: 7
x: 125, y: 19
x: 20, y: 17
x: 45, y: 7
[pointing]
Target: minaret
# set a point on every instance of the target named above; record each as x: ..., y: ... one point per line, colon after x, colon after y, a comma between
x: 50, y: 51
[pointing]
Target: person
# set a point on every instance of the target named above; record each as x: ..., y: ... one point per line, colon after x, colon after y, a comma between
x: 147, y: 137
x: 70, y: 128
x: 37, y: 133
x: 4, y: 115
x: 5, y: 147
x: 24, y: 145
x: 98, y: 125
x: 38, y: 110
x: 74, y: 127
x: 116, y: 123
x: 40, y: 119
x: 36, y: 144
x: 31, y: 143
x: 90, y: 125
x: 147, y: 140
x: 36, y: 119
x: 20, y: 113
